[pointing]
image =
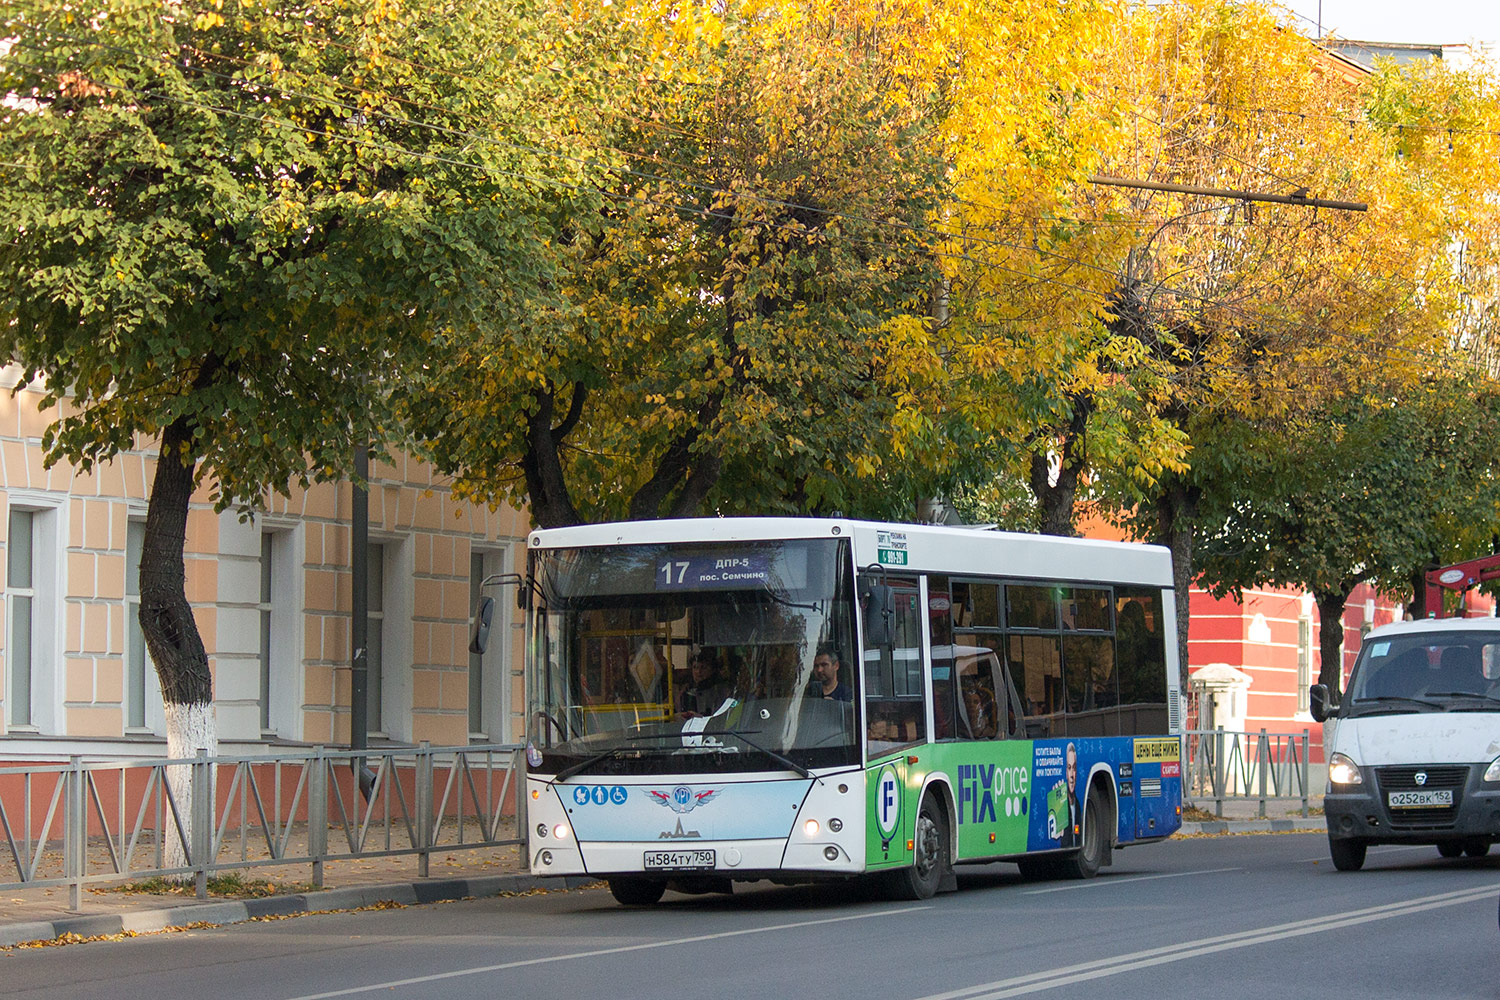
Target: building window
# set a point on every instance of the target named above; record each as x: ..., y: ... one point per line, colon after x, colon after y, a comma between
x: 20, y: 594
x: 137, y: 658
x: 265, y: 606
x: 375, y: 640
x: 489, y: 683
x: 1304, y: 662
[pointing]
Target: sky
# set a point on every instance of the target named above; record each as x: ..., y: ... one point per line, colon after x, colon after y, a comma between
x: 1423, y: 21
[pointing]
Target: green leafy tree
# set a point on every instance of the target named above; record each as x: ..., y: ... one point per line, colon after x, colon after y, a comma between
x: 722, y: 338
x: 1371, y: 487
x: 229, y: 227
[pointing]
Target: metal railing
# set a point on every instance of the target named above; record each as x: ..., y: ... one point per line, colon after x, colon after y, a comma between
x: 1261, y: 767
x: 87, y: 822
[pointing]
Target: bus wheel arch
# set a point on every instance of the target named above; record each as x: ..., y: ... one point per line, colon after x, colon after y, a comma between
x: 1098, y: 835
x: 931, y: 870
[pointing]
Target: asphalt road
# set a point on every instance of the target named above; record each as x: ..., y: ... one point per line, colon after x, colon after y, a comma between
x: 1250, y: 916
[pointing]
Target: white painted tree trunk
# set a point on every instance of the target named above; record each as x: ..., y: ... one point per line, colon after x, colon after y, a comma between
x: 189, y: 729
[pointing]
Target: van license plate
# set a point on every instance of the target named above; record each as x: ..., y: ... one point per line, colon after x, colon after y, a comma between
x: 680, y: 861
x: 1436, y: 798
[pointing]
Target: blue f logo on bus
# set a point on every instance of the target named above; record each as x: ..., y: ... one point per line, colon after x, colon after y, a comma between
x: 887, y: 802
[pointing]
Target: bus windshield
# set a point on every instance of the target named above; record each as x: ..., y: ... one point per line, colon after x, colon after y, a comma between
x: 693, y: 658
x: 1427, y: 672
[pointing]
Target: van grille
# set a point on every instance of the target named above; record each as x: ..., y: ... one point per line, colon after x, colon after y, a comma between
x: 1403, y: 778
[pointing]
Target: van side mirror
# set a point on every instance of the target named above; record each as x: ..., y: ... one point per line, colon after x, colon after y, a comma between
x: 479, y: 639
x: 878, y: 612
x: 1318, y: 703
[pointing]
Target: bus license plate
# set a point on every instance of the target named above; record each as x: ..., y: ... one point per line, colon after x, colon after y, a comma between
x: 1436, y: 798
x: 699, y: 860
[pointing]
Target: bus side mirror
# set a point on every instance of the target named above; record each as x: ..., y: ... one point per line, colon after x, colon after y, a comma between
x: 878, y: 613
x: 479, y: 639
x: 1317, y: 702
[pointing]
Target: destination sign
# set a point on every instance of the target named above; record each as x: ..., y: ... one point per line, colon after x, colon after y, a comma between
x: 715, y: 572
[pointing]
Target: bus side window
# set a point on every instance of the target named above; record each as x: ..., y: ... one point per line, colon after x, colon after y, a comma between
x: 894, y: 703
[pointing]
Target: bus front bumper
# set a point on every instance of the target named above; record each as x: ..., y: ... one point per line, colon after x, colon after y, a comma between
x: 741, y: 859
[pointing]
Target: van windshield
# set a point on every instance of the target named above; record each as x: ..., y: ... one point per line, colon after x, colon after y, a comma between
x: 1427, y: 672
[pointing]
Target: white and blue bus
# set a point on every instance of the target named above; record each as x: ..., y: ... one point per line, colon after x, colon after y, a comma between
x: 802, y: 699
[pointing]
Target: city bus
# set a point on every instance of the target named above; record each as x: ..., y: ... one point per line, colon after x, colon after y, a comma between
x: 799, y: 699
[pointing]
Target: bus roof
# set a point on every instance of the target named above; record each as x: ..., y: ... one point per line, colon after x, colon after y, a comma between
x: 898, y: 547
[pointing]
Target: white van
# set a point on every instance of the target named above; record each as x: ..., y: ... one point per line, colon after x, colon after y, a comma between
x: 1414, y: 745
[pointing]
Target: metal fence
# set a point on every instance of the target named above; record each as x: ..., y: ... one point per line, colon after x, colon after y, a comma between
x: 1248, y: 767
x: 89, y: 821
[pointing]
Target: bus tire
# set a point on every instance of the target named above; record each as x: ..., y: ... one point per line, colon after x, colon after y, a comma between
x: 1348, y: 853
x: 933, y: 855
x: 1086, y: 861
x: 631, y: 891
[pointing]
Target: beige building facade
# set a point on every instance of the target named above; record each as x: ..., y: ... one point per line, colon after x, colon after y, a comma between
x: 272, y: 597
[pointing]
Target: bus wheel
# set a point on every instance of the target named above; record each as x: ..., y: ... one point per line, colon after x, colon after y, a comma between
x: 933, y: 860
x: 1085, y: 862
x: 637, y: 891
x: 1348, y: 853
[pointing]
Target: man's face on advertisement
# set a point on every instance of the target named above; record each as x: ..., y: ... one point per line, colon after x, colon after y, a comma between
x: 1072, y: 769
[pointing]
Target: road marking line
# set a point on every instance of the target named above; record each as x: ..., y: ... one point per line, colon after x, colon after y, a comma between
x: 1388, y: 849
x: 521, y: 963
x: 1104, y: 883
x: 1037, y: 982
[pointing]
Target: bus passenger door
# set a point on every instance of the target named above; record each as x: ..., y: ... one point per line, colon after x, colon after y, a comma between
x: 894, y: 689
x: 887, y: 822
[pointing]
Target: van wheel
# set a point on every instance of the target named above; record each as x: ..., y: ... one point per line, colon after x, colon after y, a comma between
x: 1085, y: 862
x: 1476, y: 848
x: 1450, y: 848
x: 1348, y: 853
x: 637, y: 891
x: 932, y: 861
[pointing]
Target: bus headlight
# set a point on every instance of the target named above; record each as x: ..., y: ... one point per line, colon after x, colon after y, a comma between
x: 1343, y: 771
x: 810, y: 828
x: 1492, y: 773
x: 560, y: 831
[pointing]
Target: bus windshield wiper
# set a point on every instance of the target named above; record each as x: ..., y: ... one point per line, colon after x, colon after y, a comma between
x: 602, y: 755
x: 785, y: 762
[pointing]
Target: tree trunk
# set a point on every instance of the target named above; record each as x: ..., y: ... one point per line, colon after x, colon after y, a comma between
x: 1416, y: 608
x: 1057, y: 499
x: 1331, y: 605
x: 546, y: 485
x: 1176, y: 514
x: 170, y: 631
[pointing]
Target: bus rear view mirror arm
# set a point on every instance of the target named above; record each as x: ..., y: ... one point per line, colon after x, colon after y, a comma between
x: 484, y: 611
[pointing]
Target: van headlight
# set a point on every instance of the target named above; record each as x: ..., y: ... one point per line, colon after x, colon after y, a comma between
x: 1343, y: 771
x: 1492, y: 773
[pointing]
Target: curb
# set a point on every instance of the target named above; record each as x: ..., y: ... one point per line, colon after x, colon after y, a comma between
x: 239, y: 911
x: 1304, y: 824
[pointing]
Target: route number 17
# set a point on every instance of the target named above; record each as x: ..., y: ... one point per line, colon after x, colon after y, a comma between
x: 670, y: 569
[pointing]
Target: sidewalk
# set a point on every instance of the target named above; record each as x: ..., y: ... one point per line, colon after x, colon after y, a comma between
x: 1243, y: 816
x: 42, y: 914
